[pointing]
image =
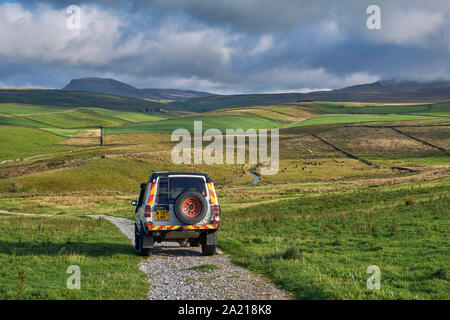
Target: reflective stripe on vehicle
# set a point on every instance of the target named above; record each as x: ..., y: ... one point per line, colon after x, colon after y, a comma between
x: 212, y: 193
x: 191, y: 227
x: 201, y: 226
x: 151, y: 196
x: 153, y: 228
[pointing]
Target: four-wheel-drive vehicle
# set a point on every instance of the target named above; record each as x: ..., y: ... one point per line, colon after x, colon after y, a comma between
x: 177, y: 206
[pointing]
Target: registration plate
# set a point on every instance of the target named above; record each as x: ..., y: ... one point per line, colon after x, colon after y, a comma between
x: 162, y: 215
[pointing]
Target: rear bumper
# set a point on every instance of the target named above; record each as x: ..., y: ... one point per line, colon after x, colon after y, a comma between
x: 184, y: 228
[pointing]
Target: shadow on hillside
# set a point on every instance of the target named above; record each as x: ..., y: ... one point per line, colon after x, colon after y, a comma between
x: 95, y: 249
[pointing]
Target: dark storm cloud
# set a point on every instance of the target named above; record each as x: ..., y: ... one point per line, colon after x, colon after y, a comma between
x: 226, y: 46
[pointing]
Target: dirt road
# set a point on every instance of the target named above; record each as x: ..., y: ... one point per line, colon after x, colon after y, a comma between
x: 183, y: 273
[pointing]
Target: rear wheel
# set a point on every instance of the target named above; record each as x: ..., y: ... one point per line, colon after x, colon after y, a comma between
x: 194, y: 244
x: 143, y: 251
x: 208, y: 250
x: 137, y: 238
x: 209, y: 242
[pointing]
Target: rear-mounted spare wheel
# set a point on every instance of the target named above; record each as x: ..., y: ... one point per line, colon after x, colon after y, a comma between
x: 191, y: 207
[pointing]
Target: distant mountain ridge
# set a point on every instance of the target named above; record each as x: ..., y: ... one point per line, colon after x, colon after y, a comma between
x: 71, y: 99
x: 118, y: 88
x: 383, y: 91
x: 113, y: 94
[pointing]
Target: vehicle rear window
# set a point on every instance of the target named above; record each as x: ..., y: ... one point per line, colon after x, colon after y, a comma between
x: 178, y: 185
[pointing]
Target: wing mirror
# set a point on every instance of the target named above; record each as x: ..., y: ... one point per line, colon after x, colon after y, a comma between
x: 134, y: 203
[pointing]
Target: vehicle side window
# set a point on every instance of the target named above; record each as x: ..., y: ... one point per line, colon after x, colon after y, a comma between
x: 141, y: 197
x: 163, y: 197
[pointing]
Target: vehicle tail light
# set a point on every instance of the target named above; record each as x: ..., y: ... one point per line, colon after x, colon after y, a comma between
x: 148, y: 211
x: 215, y: 213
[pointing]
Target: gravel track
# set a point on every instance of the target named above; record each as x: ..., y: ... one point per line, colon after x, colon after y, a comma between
x: 177, y: 273
x: 183, y: 273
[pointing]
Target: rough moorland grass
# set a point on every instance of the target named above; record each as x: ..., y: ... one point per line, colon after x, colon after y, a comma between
x: 17, y: 142
x: 74, y: 203
x: 124, y: 173
x: 410, y: 160
x: 320, y: 247
x: 19, y: 109
x: 35, y: 253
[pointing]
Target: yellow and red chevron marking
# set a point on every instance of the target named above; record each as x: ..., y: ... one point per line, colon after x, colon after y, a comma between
x: 212, y: 193
x: 191, y: 227
x: 151, y: 196
x: 154, y: 228
x: 201, y: 226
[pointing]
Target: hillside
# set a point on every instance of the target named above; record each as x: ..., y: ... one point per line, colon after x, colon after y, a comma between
x: 377, y: 92
x: 114, y: 87
x: 65, y: 98
x: 380, y: 92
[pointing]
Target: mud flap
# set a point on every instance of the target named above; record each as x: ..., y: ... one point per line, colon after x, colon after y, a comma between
x: 211, y: 238
x: 147, y: 241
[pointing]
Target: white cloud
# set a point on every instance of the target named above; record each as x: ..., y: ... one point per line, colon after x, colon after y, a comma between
x: 42, y: 36
x: 264, y: 44
x: 410, y: 26
x: 301, y: 79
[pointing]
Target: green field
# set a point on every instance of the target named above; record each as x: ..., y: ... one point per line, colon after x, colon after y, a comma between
x: 17, y: 109
x: 36, y: 252
x: 41, y: 117
x: 129, y: 116
x: 319, y: 247
x: 356, y: 118
x: 18, y: 142
x: 221, y: 123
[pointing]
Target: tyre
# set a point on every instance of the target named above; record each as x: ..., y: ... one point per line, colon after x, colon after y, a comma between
x: 143, y: 251
x: 194, y: 244
x: 208, y: 250
x: 137, y: 239
x: 191, y: 207
x: 209, y: 242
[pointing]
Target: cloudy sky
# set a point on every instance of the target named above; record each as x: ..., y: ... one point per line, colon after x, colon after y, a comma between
x: 232, y: 46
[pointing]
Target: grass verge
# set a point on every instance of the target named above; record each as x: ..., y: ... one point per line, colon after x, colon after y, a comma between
x: 35, y: 253
x: 320, y: 247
